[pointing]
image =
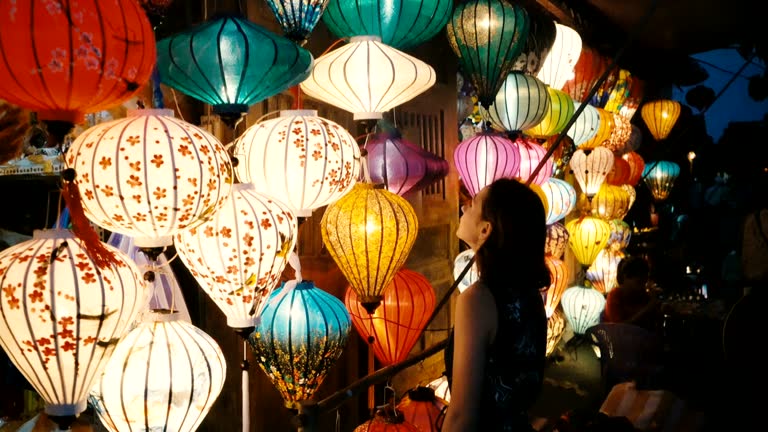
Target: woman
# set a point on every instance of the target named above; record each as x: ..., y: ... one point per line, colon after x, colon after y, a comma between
x: 495, y: 358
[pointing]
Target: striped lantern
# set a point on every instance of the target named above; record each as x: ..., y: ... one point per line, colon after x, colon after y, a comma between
x: 559, y: 64
x: 591, y: 169
x: 586, y: 73
x: 555, y: 330
x: 459, y: 263
x: 423, y: 409
x: 636, y: 167
x: 561, y: 199
x: 602, y: 272
x: 604, y: 129
x: 610, y: 202
x: 660, y: 177
x: 297, y: 18
x: 582, y: 307
x: 586, y: 125
x: 620, y: 172
x: 660, y: 117
x: 559, y: 276
x: 484, y: 158
x: 620, y: 134
x: 539, y: 42
x: 521, y: 103
x: 621, y: 234
x: 588, y: 235
x: 557, y: 240
x: 558, y: 115
x: 531, y: 154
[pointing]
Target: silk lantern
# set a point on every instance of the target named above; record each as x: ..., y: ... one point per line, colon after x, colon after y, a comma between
x: 591, y: 169
x: 541, y: 37
x: 636, y: 167
x: 297, y: 18
x: 305, y: 160
x: 521, y: 103
x: 620, y: 91
x: 367, y: 77
x: 369, y: 233
x: 531, y: 155
x: 620, y: 172
x: 610, y: 202
x: 150, y: 175
x: 586, y: 73
x: 558, y: 115
x: 631, y: 192
x: 301, y: 334
x: 620, y: 133
x: 660, y: 177
x: 555, y: 330
x: 395, y: 327
x: 561, y: 199
x: 582, y: 307
x: 621, y: 234
x: 61, y: 315
x: 459, y: 264
x: 231, y: 63
x: 423, y: 409
x: 165, y: 374
x: 588, y: 235
x: 557, y: 240
x: 387, y: 419
x: 602, y: 272
x: 559, y: 64
x: 660, y: 117
x: 559, y: 276
x: 604, y: 130
x: 586, y: 125
x: 484, y: 158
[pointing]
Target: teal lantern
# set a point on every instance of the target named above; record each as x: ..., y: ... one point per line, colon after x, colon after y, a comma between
x: 231, y: 64
x: 297, y: 18
x: 400, y: 23
x: 302, y: 332
x: 487, y: 36
x: 660, y: 177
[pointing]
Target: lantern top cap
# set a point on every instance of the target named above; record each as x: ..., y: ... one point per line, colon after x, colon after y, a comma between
x: 300, y: 113
x: 55, y: 233
x: 151, y: 112
x: 366, y: 38
x: 162, y: 315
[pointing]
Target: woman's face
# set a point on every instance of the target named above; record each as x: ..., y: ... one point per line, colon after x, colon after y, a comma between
x: 473, y: 230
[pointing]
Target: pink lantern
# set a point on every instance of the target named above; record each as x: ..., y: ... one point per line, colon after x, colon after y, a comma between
x: 484, y: 158
x: 531, y: 153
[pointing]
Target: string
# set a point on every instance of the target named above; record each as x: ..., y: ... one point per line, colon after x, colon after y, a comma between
x: 336, y: 42
x: 176, y: 101
x: 338, y: 421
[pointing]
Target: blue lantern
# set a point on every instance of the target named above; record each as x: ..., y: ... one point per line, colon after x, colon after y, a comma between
x: 297, y: 18
x: 660, y: 177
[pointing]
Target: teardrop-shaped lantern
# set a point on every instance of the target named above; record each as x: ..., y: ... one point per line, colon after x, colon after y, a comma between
x: 300, y: 336
x: 558, y: 115
x: 459, y: 263
x: 423, y: 409
x: 369, y: 233
x: 559, y: 64
x: 621, y: 234
x: 582, y: 307
x: 660, y: 117
x: 610, y: 202
x: 561, y: 199
x: 636, y: 167
x: 297, y: 18
x: 557, y: 240
x: 541, y: 37
x: 484, y: 158
x: 367, y: 77
x: 660, y: 177
x: 559, y: 275
x: 586, y: 125
x: 555, y: 330
x: 531, y: 154
x: 238, y: 256
x: 61, y: 315
x: 395, y: 327
x: 305, y: 160
x: 521, y: 103
x: 165, y: 374
x: 231, y: 63
x: 602, y: 272
x: 620, y: 172
x: 387, y: 419
x: 588, y: 235
x: 591, y: 169
x: 586, y: 73
x: 620, y: 133
x: 604, y: 129
x: 487, y: 36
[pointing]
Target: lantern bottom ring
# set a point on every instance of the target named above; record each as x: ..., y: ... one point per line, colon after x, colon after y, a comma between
x: 367, y: 116
x: 65, y: 410
x: 370, y: 303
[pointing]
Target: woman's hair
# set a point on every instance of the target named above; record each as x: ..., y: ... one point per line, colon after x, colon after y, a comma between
x: 513, y: 254
x: 633, y: 267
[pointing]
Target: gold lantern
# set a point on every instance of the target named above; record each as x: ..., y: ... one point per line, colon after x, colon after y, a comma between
x: 660, y: 116
x: 588, y: 235
x: 610, y: 202
x: 558, y: 273
x: 604, y: 129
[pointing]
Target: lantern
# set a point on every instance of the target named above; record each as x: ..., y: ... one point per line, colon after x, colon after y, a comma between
x: 561, y: 157
x: 631, y: 192
x: 555, y: 330
x: 620, y: 91
x: 423, y: 409
x: 620, y: 134
x: 587, y: 237
x: 604, y: 130
x: 441, y: 388
x: 305, y: 160
x: 301, y: 334
x: 602, y: 272
x: 660, y: 116
x: 62, y: 315
x: 531, y: 154
x: 621, y: 234
x: 297, y: 18
x: 557, y: 240
x: 632, y: 102
x: 387, y: 419
x: 459, y: 263
x: 238, y: 256
x: 660, y: 177
x: 636, y: 167
x: 559, y: 64
x: 150, y: 175
x: 367, y: 77
x: 395, y: 327
x: 165, y: 374
x: 400, y: 24
x: 557, y: 116
x: 591, y: 169
x: 586, y: 73
x: 487, y: 36
x: 610, y: 202
x: 558, y: 273
x: 484, y: 158
x: 561, y: 199
x: 369, y: 233
x: 586, y: 125
x: 231, y: 63
x: 620, y: 172
x: 521, y: 103
x: 541, y: 37
x: 582, y: 307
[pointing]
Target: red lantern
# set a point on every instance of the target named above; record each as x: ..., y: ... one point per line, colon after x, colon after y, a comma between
x: 636, y: 167
x: 620, y: 172
x: 396, y: 325
x: 588, y: 70
x: 423, y: 409
x: 387, y: 419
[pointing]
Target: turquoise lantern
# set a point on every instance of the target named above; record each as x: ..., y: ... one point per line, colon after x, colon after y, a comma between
x: 401, y: 24
x: 297, y: 18
x: 487, y: 36
x: 660, y: 177
x: 231, y: 64
x: 302, y: 332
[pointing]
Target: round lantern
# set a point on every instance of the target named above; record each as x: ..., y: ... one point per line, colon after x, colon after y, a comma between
x: 660, y: 117
x: 487, y: 36
x: 604, y: 130
x: 165, y: 374
x: 541, y: 37
x: 301, y: 334
x: 150, y: 175
x: 369, y: 233
x: 620, y: 134
x: 423, y: 409
x: 602, y: 272
x: 395, y: 327
x: 586, y: 125
x: 367, y: 77
x: 305, y: 160
x: 620, y: 172
x: 561, y: 199
x: 636, y: 167
x: 559, y: 64
x: 587, y: 237
x: 591, y: 169
x: 555, y: 330
x: 521, y: 103
x: 582, y: 307
x: 400, y: 24
x: 231, y: 63
x: 62, y: 315
x: 238, y: 256
x: 531, y: 154
x: 484, y: 158
x: 621, y: 234
x: 660, y: 177
x: 459, y: 264
x: 587, y: 71
x: 297, y: 18
x: 558, y: 115
x: 559, y: 276
x: 610, y: 202
x: 557, y: 240
x: 387, y: 419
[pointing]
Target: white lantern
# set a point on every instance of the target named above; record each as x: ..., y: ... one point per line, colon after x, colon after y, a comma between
x: 149, y: 175
x: 238, y: 256
x: 586, y: 125
x: 304, y: 160
x: 602, y: 273
x: 590, y: 169
x: 561, y: 60
x: 367, y: 77
x: 61, y: 315
x: 164, y: 375
x: 521, y: 103
x: 561, y: 199
x: 459, y: 263
x: 582, y: 307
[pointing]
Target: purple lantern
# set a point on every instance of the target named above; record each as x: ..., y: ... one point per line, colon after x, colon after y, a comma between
x: 485, y: 158
x: 531, y: 153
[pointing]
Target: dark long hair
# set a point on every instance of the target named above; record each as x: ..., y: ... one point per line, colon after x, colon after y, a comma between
x: 512, y: 257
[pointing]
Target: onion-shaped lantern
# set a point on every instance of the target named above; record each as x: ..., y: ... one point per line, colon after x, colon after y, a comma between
x: 521, y: 103
x: 587, y: 71
x: 387, y: 419
x: 582, y: 307
x: 660, y: 177
x: 238, y: 256
x: 558, y: 115
x: 610, y: 202
x: 301, y: 334
x: 484, y: 158
x: 660, y: 117
x: 557, y: 240
x: 555, y: 330
x: 297, y: 18
x: 61, y: 315
x: 305, y: 160
x: 541, y: 37
x: 636, y: 167
x: 459, y: 264
x: 604, y: 130
x: 559, y: 276
x: 150, y: 175
x: 602, y: 272
x: 620, y: 133
x: 367, y: 78
x: 588, y: 235
x: 621, y: 234
x: 591, y: 169
x: 165, y: 374
x: 369, y: 233
x: 620, y: 172
x: 561, y: 199
x: 231, y: 63
x: 395, y: 327
x: 586, y: 125
x: 559, y: 64
x: 423, y: 409
x: 531, y: 154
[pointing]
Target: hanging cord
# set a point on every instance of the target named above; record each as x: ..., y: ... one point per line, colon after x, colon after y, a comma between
x: 338, y: 421
x: 336, y: 42
x: 364, y: 172
x: 244, y: 366
x: 176, y: 101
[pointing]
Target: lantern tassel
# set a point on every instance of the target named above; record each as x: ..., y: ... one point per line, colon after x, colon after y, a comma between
x: 246, y: 396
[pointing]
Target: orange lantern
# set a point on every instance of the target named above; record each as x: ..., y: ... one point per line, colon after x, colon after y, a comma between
x: 586, y: 73
x: 604, y: 130
x: 620, y: 172
x: 387, y: 419
x: 423, y: 409
x: 558, y: 272
x: 636, y: 167
x: 660, y: 116
x: 610, y: 202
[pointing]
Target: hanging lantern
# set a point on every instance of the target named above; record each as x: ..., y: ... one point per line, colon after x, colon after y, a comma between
x: 602, y: 272
x: 621, y: 234
x: 387, y: 419
x: 660, y: 177
x: 484, y: 158
x: 541, y: 37
x: 619, y: 92
x: 487, y: 36
x: 401, y: 24
x: 620, y: 133
x: 165, y: 374
x: 62, y: 315
x: 305, y: 160
x: 369, y: 233
x: 423, y: 409
x: 559, y: 64
x: 561, y: 157
x: 231, y: 63
x: 301, y: 334
x: 555, y: 330
x: 559, y: 276
x: 631, y: 192
x: 591, y: 169
x: 582, y: 307
x: 557, y: 116
x: 297, y: 18
x: 604, y: 130
x: 237, y: 257
x: 521, y: 103
x: 395, y: 327
x: 634, y: 99
x: 586, y: 73
x: 610, y: 202
x: 367, y: 78
x: 531, y: 154
x: 586, y: 125
x: 600, y: 97
x: 660, y: 116
x: 588, y: 235
x: 561, y: 199
x: 557, y: 240
x: 459, y: 263
x: 441, y: 388
x: 636, y: 167
x: 620, y: 172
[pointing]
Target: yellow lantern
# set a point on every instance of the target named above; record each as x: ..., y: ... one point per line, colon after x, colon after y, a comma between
x: 610, y: 202
x: 631, y: 193
x: 602, y: 272
x: 558, y: 273
x: 588, y: 235
x: 604, y: 129
x: 556, y: 116
x: 660, y: 116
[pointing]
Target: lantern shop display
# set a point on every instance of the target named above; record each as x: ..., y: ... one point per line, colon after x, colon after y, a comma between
x: 610, y: 202
x: 620, y: 172
x: 538, y: 44
x: 484, y: 158
x: 560, y: 197
x: 557, y: 240
x: 621, y: 234
x: 604, y: 130
x: 558, y: 115
x: 582, y: 307
x: 531, y: 155
x: 559, y: 64
x: 297, y: 19
x: 586, y: 125
x: 636, y: 167
x: 587, y: 71
x: 559, y: 275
